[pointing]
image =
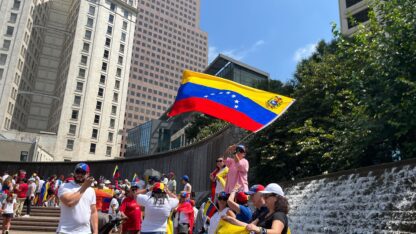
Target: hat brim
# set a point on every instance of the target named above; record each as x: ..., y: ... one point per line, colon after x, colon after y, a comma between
x: 266, y: 192
x: 249, y: 193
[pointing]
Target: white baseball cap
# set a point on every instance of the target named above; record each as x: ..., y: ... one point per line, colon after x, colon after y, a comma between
x: 273, y: 188
x: 107, y: 182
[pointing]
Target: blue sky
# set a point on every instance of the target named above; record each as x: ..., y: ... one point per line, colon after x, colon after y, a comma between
x: 272, y: 35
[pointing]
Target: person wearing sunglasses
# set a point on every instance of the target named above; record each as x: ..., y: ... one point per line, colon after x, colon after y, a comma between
x: 238, y: 167
x: 218, y: 178
x: 78, y: 210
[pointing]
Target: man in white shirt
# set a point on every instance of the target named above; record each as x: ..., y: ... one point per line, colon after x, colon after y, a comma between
x: 78, y: 210
x: 172, y: 183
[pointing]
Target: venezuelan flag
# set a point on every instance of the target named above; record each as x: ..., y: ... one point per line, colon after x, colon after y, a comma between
x: 246, y: 107
x: 116, y: 173
x: 209, y: 208
x: 225, y: 227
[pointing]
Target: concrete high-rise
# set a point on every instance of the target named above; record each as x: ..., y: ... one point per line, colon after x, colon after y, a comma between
x: 167, y: 41
x: 352, y: 9
x: 65, y: 72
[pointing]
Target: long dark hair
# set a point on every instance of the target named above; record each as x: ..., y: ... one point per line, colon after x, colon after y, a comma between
x: 281, y: 204
x: 159, y: 197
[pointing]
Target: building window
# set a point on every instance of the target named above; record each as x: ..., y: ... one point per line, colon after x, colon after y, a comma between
x: 94, y: 133
x: 16, y: 4
x: 113, y: 6
x: 112, y: 123
x: 124, y: 25
x: 104, y: 66
x: 79, y: 87
x: 123, y: 36
x: 84, y: 59
x: 115, y: 97
x: 90, y: 22
x: 98, y: 106
x: 349, y: 3
x: 126, y: 14
x: 118, y: 72
x: 74, y: 115
x: 70, y: 144
x: 100, y: 92
x: 91, y: 10
x: 81, y: 73
x: 110, y: 137
x: 86, y: 47
x: 108, y: 42
x: 359, y: 17
x: 109, y: 30
x: 102, y: 79
x: 72, y: 129
x: 106, y: 54
x: 3, y: 58
x: 120, y: 60
x: 96, y: 119
x: 111, y: 19
x: 9, y: 31
x: 108, y: 151
x: 92, y: 148
x: 121, y: 48
x: 113, y: 110
x: 88, y: 34
x: 13, y: 17
x: 77, y: 100
x: 6, y: 44
x: 117, y: 84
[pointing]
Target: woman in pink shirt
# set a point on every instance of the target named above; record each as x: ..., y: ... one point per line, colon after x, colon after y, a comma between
x: 237, y: 169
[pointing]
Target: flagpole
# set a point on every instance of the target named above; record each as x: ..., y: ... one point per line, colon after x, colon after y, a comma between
x: 213, y: 203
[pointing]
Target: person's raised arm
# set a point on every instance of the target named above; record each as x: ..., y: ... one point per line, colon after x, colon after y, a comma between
x: 94, y: 219
x: 71, y: 199
x: 234, y: 206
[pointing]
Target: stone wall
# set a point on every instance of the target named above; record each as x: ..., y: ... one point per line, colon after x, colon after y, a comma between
x: 378, y: 199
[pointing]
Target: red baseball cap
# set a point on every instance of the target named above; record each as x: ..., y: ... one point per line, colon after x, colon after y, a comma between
x: 241, y: 198
x: 254, y: 189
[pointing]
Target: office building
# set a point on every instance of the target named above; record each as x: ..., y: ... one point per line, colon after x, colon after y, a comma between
x: 356, y: 9
x: 67, y: 72
x: 167, y: 41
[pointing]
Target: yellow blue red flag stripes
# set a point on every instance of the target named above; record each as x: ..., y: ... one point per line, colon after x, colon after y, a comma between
x: 246, y: 107
x: 225, y: 227
x: 116, y: 173
x: 209, y: 208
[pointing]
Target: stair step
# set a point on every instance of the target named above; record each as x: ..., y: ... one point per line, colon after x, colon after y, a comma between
x: 33, y: 228
x: 34, y: 223
x: 35, y: 219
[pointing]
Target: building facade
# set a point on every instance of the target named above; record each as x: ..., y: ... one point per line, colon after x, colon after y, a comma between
x: 167, y: 41
x: 75, y: 83
x: 352, y: 9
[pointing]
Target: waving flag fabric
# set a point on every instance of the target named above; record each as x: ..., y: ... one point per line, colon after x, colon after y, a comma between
x: 209, y: 208
x: 116, y: 173
x: 246, y: 107
x: 225, y: 227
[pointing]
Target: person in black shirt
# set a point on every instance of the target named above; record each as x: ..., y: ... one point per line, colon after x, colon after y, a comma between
x: 258, y: 201
x: 275, y: 221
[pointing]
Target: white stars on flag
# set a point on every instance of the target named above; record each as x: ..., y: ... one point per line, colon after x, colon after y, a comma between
x: 231, y: 100
x: 233, y: 96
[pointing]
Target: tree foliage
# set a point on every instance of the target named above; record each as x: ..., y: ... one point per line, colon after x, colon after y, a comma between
x: 355, y: 102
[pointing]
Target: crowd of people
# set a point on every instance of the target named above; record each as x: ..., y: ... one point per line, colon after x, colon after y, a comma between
x: 151, y: 205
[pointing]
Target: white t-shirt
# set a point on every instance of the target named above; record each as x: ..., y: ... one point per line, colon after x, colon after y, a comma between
x: 187, y: 188
x: 215, y: 220
x: 40, y: 185
x: 9, y: 207
x: 5, y: 177
x: 156, y: 215
x: 113, y: 202
x: 172, y: 185
x: 76, y: 219
x: 32, y: 189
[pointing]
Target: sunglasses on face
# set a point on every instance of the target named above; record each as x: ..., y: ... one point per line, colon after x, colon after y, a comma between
x: 80, y: 172
x: 222, y: 199
x: 219, y: 161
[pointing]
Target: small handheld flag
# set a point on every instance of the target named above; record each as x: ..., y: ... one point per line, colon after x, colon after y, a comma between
x: 243, y: 106
x: 116, y: 173
x: 209, y: 208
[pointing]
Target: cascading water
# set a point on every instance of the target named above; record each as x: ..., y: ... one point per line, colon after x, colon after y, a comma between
x: 382, y: 202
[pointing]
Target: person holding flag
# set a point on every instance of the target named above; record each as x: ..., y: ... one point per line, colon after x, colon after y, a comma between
x: 218, y: 178
x: 116, y: 175
x: 222, y: 211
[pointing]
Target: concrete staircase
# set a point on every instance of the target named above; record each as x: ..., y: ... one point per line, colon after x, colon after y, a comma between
x: 41, y: 220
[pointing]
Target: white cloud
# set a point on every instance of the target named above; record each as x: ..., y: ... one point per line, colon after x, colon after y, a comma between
x: 304, y: 52
x: 238, y: 54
